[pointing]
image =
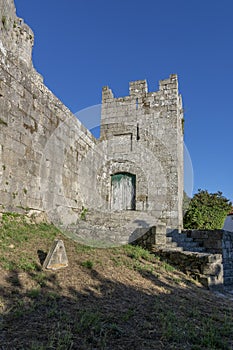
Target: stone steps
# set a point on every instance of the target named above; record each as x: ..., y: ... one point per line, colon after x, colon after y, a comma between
x: 111, y: 228
x: 166, y: 249
x: 117, y: 228
x: 180, y: 242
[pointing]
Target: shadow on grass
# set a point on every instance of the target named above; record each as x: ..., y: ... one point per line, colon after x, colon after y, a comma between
x: 42, y: 256
x: 108, y: 314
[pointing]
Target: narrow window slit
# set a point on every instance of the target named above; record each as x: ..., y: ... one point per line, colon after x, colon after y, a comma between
x: 138, y: 136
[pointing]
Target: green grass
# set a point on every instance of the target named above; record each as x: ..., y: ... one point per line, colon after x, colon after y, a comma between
x: 40, y: 277
x: 201, y: 332
x: 60, y: 339
x: 167, y: 267
x: 88, y: 264
x: 134, y: 258
x: 137, y: 252
x: 88, y: 320
x: 34, y: 293
x: 128, y: 314
x: 103, y: 298
x: 81, y: 248
x: 98, y: 328
x: 19, y: 239
x: 83, y: 213
x: 7, y: 264
x: 23, y: 263
x: 15, y: 229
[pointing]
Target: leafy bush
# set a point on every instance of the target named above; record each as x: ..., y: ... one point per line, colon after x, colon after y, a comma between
x: 207, y: 211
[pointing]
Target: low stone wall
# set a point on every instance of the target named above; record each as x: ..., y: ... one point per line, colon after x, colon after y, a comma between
x: 213, y: 268
x: 211, y: 240
x: 217, y: 242
x: 227, y: 254
x: 204, y: 267
x: 155, y: 235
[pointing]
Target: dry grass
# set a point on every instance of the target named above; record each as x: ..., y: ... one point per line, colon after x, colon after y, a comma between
x: 121, y: 298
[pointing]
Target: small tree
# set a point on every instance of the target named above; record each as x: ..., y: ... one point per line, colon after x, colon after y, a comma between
x: 207, y: 211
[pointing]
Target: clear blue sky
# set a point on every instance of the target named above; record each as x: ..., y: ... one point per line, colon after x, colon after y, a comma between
x: 82, y: 45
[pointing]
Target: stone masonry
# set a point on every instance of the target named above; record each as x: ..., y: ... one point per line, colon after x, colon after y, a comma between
x: 41, y: 142
x: 50, y: 162
x: 144, y: 137
x: 128, y: 184
x: 217, y: 242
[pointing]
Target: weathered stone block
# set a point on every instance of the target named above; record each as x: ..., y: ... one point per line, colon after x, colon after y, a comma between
x: 56, y: 258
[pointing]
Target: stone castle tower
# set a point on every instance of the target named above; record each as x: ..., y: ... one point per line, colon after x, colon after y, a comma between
x: 145, y: 149
x: 49, y: 162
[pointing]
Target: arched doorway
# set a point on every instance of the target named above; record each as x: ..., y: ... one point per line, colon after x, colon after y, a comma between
x: 123, y: 191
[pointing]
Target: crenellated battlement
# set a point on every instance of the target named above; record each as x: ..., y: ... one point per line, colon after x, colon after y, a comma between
x: 139, y: 89
x: 165, y: 101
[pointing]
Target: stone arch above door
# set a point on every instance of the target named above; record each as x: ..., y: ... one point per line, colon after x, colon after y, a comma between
x: 112, y: 167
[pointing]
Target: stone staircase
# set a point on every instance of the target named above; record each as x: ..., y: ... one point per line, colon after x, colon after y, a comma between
x: 106, y: 229
x: 182, y: 251
x: 180, y: 242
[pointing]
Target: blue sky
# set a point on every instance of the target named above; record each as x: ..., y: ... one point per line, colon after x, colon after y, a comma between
x: 82, y: 45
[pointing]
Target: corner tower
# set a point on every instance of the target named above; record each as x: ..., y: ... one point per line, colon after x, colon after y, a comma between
x: 144, y: 134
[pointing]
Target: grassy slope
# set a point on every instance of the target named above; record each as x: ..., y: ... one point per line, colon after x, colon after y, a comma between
x: 121, y: 298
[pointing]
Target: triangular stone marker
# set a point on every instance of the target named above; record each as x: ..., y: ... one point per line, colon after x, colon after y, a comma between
x: 56, y: 258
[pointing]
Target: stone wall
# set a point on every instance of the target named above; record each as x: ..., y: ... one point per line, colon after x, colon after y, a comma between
x: 212, y: 268
x: 41, y: 143
x: 50, y: 162
x: 155, y: 235
x: 227, y: 255
x: 212, y: 265
x: 15, y: 36
x: 220, y: 242
x: 207, y: 268
x: 211, y: 240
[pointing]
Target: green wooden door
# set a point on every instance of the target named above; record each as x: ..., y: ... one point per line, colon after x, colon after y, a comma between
x: 123, y: 188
